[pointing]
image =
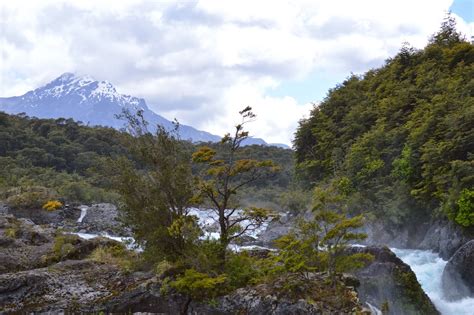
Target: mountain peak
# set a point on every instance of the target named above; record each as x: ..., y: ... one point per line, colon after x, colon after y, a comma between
x: 86, y: 87
x: 94, y: 102
x: 68, y: 78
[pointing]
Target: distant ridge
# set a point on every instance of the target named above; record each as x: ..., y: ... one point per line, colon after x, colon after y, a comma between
x: 94, y: 103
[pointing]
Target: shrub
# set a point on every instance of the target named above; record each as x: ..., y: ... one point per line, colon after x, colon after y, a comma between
x: 163, y: 267
x: 241, y: 269
x: 465, y: 203
x: 52, y: 205
x: 29, y: 197
x: 117, y: 255
x: 197, y: 285
x: 11, y: 232
x: 63, y: 246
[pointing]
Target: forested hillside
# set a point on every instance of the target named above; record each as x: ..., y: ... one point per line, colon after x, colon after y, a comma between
x: 400, y: 138
x: 42, y: 159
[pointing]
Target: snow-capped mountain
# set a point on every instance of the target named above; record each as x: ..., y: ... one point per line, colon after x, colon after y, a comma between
x: 94, y: 103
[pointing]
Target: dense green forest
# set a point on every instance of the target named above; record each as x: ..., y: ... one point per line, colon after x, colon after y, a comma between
x: 64, y: 159
x: 400, y: 138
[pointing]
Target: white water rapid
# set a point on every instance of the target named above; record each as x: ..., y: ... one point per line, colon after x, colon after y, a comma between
x: 83, y: 213
x: 428, y: 267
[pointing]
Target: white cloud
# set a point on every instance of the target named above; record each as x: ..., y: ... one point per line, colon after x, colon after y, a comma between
x: 202, y: 61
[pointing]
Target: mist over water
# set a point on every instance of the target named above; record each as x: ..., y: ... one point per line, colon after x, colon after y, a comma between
x: 428, y: 267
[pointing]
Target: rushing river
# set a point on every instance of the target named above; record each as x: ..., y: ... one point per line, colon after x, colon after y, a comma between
x: 428, y: 267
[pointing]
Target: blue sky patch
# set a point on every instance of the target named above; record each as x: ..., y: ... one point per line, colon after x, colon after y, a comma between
x: 463, y: 8
x: 312, y: 88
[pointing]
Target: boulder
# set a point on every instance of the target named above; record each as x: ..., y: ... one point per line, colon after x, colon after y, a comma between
x: 260, y: 299
x: 66, y: 287
x: 276, y: 229
x: 25, y: 245
x: 3, y: 208
x: 458, y: 275
x: 390, y: 285
x: 102, y: 218
x: 59, y: 217
x: 445, y: 237
x: 270, y: 298
x: 440, y: 235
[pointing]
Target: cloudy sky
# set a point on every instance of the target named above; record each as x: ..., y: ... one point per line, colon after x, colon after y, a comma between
x: 202, y: 61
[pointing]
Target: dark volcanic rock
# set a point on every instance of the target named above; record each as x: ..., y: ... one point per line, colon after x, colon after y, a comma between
x: 100, y: 218
x: 88, y: 287
x: 445, y: 237
x: 41, y: 216
x: 380, y: 234
x: 458, y: 275
x: 25, y: 245
x: 277, y: 229
x: 260, y: 299
x: 3, y: 208
x: 441, y: 236
x: 69, y: 286
x: 387, y: 282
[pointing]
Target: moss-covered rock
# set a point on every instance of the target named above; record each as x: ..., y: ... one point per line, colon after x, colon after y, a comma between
x: 390, y: 285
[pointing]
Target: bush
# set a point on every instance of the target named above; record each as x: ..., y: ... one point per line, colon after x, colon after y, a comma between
x: 52, y: 205
x: 63, y: 246
x: 241, y: 269
x: 117, y: 255
x: 11, y: 232
x: 29, y: 197
x: 199, y: 286
x: 465, y: 203
x: 295, y: 201
x: 163, y: 267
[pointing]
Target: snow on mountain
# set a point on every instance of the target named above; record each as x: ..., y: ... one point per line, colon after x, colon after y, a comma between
x: 94, y: 103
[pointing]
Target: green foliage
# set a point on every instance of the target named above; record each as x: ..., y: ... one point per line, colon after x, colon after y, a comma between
x: 29, y: 198
x: 63, y: 246
x: 241, y: 270
x: 402, y: 134
x: 117, y: 255
x: 321, y: 244
x: 295, y: 200
x: 198, y: 285
x: 414, y: 293
x: 447, y: 35
x: 298, y: 254
x: 402, y: 168
x: 163, y: 267
x: 72, y: 159
x: 221, y: 178
x: 465, y: 203
x: 11, y: 232
x: 57, y: 154
x: 157, y: 196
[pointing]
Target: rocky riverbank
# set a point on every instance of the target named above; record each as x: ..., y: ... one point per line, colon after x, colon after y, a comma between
x: 45, y: 270
x: 440, y: 235
x: 458, y: 275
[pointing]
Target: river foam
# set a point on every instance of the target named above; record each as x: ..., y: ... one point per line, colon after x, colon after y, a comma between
x: 428, y: 267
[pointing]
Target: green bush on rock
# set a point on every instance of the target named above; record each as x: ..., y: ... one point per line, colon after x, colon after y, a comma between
x: 465, y: 203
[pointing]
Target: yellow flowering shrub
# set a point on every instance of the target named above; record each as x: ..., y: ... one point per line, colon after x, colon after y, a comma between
x: 52, y: 205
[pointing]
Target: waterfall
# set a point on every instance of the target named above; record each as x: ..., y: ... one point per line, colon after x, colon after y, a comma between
x: 83, y: 213
x: 373, y: 309
x: 428, y: 267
